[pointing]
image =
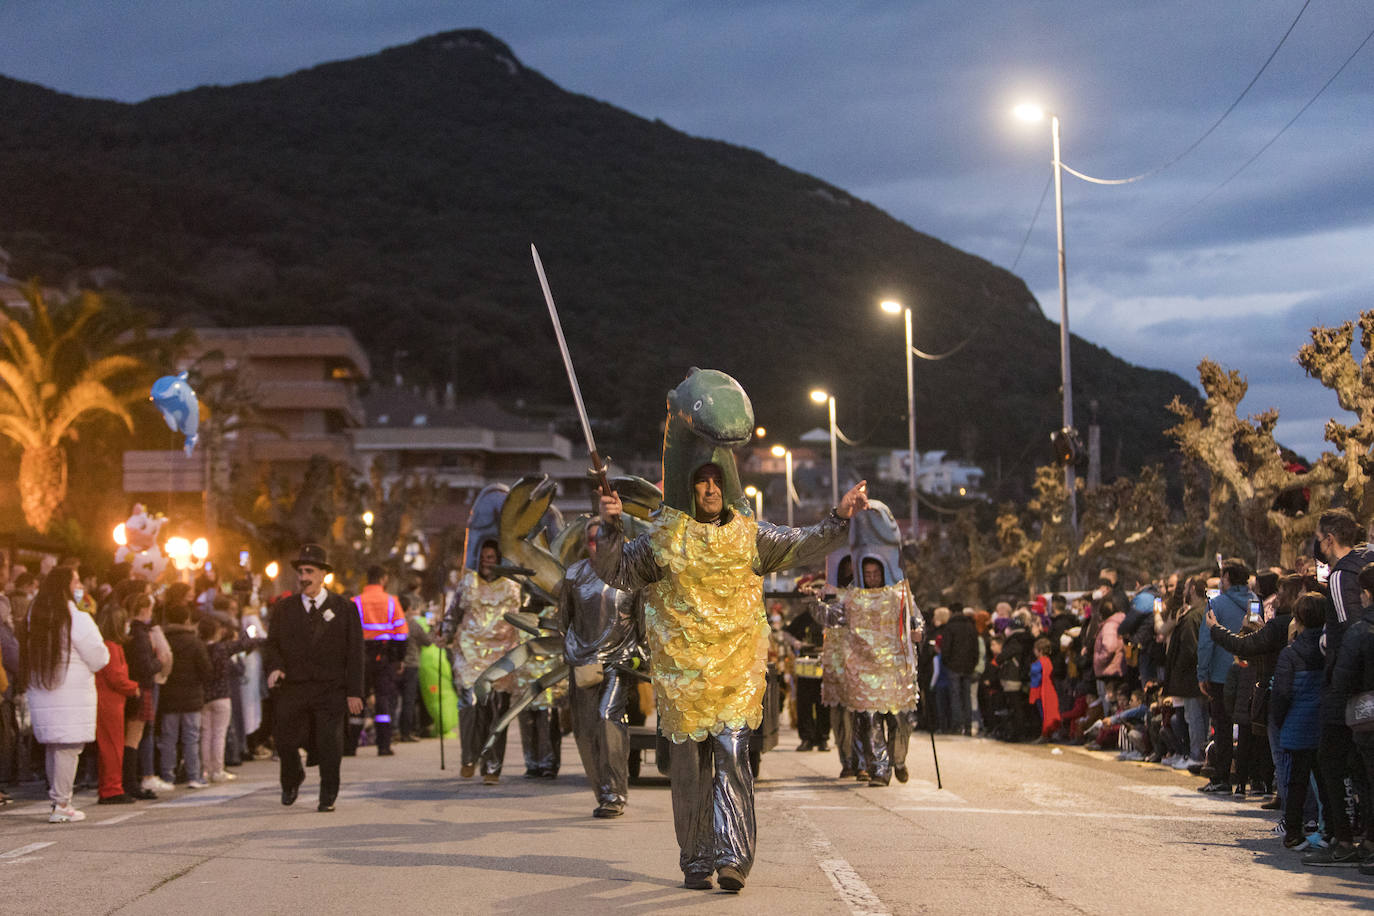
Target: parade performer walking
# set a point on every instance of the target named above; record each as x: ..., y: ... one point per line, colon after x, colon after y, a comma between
x: 879, y: 668
x: 479, y: 634
x: 385, y: 635
x: 702, y: 566
x: 602, y: 629
x: 314, y: 660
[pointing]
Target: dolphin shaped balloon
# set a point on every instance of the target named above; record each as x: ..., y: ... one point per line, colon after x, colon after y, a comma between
x: 180, y: 408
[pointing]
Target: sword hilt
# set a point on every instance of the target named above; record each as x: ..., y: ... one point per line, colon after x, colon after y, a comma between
x: 598, y: 471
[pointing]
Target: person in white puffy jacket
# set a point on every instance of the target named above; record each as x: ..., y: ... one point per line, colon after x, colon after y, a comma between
x: 64, y: 650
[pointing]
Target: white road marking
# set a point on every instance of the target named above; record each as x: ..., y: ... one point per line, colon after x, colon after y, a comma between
x: 25, y: 850
x: 1048, y: 812
x: 1186, y: 797
x: 1045, y: 795
x: 200, y: 798
x: 119, y: 819
x: 851, y: 888
x: 40, y: 808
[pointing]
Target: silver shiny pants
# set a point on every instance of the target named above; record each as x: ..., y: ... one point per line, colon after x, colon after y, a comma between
x: 474, y: 727
x: 713, y: 802
x: 881, y: 739
x: 603, y: 736
x: 842, y: 724
x: 541, y: 741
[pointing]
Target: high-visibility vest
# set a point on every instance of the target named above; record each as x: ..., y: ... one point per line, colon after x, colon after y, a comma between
x: 381, y: 615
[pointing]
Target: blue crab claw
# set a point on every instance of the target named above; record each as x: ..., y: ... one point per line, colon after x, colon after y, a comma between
x: 522, y: 538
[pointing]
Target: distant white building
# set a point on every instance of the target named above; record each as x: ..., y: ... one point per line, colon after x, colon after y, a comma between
x: 935, y: 473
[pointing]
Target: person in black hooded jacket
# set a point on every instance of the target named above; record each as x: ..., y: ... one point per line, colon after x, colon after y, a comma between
x: 1262, y: 648
x: 959, y: 656
x: 1352, y: 674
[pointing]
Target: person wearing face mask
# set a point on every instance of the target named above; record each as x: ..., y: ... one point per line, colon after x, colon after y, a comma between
x: 314, y: 659
x: 63, y: 651
x: 1109, y: 600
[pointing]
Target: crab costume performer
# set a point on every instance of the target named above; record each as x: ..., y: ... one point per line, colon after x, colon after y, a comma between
x: 701, y: 565
x: 480, y: 635
x: 877, y: 682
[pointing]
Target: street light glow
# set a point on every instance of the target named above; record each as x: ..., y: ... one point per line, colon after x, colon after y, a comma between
x: 271, y: 570
x: 200, y: 549
x: 819, y: 396
x: 751, y: 491
x: 368, y: 517
x: 892, y: 307
x: 778, y: 451
x: 1029, y: 111
x: 121, y: 537
x: 760, y: 432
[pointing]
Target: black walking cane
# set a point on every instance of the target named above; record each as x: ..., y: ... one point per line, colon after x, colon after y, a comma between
x: 439, y: 686
x: 938, y: 784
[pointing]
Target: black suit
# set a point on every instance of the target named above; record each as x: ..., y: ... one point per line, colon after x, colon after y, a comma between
x: 322, y: 656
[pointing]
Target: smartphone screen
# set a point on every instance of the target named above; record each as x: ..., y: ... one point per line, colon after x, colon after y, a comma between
x: 1255, y: 608
x: 243, y: 559
x: 1323, y: 573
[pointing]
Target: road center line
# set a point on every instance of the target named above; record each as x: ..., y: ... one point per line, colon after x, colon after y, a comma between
x: 25, y: 850
x: 851, y: 888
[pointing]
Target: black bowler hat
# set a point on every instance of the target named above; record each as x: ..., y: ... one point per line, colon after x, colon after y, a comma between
x: 312, y: 555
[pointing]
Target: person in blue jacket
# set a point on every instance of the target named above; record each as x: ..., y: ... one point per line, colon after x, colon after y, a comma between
x: 1294, y: 705
x: 1214, y: 664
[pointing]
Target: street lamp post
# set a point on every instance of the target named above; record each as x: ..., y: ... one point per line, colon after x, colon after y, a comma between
x: 786, y: 454
x: 1030, y: 112
x: 893, y: 308
x: 822, y: 397
x: 757, y: 494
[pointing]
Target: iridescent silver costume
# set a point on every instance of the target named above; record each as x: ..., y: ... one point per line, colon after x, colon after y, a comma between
x: 602, y: 633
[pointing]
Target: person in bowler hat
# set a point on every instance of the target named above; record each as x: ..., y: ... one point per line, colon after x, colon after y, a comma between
x: 314, y: 659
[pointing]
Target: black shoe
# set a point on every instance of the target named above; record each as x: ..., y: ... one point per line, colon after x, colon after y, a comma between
x: 1215, y: 788
x: 533, y: 774
x: 1238, y: 791
x: 901, y: 773
x: 1273, y: 804
x: 143, y: 794
x: 609, y: 811
x: 548, y: 774
x: 385, y: 752
x: 697, y: 882
x: 1337, y: 854
x: 325, y: 806
x: 288, y: 795
x: 823, y: 748
x: 730, y: 879
x: 806, y: 746
x: 846, y: 773
x: 878, y: 782
x: 122, y: 799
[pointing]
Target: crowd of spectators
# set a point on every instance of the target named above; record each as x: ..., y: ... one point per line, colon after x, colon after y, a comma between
x: 1250, y: 680
x: 135, y: 689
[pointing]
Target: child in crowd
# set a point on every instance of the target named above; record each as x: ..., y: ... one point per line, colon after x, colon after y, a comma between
x: 183, y: 697
x: 221, y: 646
x: 112, y: 687
x: 1294, y: 706
x: 1042, y: 692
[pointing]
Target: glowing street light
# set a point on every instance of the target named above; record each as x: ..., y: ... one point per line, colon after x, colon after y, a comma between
x: 820, y: 396
x: 1031, y: 112
x: 121, y: 537
x: 896, y: 308
x: 200, y: 549
x: 368, y: 517
x: 271, y: 570
x: 757, y: 495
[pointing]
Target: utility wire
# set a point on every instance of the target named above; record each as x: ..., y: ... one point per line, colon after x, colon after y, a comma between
x: 1208, y: 132
x: 1282, y: 130
x: 1048, y: 181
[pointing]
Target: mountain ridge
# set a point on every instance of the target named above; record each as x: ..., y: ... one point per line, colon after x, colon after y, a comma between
x: 398, y: 193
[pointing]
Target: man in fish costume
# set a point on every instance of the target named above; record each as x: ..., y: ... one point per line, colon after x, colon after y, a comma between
x: 478, y: 633
x: 879, y: 668
x: 702, y: 565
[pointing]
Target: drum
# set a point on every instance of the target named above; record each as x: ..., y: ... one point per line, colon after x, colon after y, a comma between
x: 806, y: 666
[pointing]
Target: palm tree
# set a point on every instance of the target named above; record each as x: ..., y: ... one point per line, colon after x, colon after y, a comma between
x: 52, y: 379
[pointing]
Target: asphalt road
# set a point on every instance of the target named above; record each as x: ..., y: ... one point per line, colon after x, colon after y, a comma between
x: 1016, y: 829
